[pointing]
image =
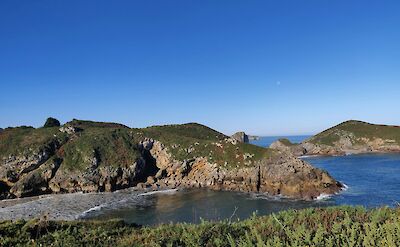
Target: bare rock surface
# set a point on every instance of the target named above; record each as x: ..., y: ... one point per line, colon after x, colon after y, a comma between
x: 241, y: 137
x: 85, y: 156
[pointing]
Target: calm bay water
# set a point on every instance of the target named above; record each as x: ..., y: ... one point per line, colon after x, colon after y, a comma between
x: 373, y: 180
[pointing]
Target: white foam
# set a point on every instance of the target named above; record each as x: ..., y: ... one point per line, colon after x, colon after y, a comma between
x: 93, y: 209
x: 310, y: 156
x: 322, y: 197
x: 345, y: 187
x: 169, y: 191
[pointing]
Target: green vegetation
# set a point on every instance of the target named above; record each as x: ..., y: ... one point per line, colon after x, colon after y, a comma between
x: 116, y: 145
x: 84, y: 124
x: 192, y: 140
x: 110, y: 146
x: 335, y: 226
x: 51, y: 122
x: 359, y: 130
x: 286, y: 142
x: 25, y: 140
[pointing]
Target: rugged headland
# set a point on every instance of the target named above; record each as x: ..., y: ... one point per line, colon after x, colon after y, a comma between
x: 96, y: 156
x: 350, y: 137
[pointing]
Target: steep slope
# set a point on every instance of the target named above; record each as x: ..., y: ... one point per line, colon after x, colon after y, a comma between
x: 94, y: 156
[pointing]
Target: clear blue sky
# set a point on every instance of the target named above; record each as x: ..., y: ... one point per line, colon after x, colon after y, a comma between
x: 266, y: 67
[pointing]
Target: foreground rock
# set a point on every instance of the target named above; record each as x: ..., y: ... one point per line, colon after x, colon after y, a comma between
x: 351, y: 137
x: 91, y: 156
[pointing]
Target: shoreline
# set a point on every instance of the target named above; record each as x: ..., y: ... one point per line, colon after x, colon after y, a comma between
x: 65, y: 207
x: 346, y: 154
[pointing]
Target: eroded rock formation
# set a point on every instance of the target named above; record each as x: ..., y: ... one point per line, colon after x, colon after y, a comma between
x: 241, y: 137
x: 109, y: 157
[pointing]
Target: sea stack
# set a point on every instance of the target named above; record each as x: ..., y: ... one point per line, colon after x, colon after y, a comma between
x: 241, y: 137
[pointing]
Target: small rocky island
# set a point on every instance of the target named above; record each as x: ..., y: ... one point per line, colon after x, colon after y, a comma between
x: 350, y: 137
x: 92, y: 156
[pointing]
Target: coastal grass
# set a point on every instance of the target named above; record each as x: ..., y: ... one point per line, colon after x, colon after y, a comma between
x: 286, y: 142
x: 111, y: 147
x: 333, y: 226
x: 360, y: 130
x: 188, y: 141
x: 24, y: 140
x: 116, y: 145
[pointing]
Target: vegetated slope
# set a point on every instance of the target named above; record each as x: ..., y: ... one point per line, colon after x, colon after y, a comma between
x: 336, y: 226
x: 97, y: 156
x: 188, y: 141
x: 359, y: 132
x: 349, y: 137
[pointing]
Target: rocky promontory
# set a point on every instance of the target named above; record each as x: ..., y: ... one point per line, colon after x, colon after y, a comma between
x: 95, y: 156
x: 241, y: 137
x: 350, y: 137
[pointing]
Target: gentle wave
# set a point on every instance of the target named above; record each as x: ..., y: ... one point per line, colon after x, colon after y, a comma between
x: 95, y: 208
x: 123, y: 202
x: 323, y: 197
x: 169, y: 191
x: 345, y: 187
x: 264, y: 196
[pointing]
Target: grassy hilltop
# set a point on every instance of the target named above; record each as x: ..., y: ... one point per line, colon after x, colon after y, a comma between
x: 358, y: 130
x: 116, y: 144
x: 336, y: 226
x: 350, y: 137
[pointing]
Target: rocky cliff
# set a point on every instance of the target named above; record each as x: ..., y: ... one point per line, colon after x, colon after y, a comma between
x: 350, y: 137
x: 241, y: 137
x: 93, y: 156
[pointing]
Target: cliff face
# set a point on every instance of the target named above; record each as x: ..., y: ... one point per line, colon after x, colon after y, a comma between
x: 351, y: 137
x: 241, y: 137
x: 90, y: 156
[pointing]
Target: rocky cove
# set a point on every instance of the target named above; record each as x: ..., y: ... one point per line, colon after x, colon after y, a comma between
x: 84, y: 156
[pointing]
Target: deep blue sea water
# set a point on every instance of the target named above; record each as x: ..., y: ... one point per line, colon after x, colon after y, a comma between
x: 372, y: 179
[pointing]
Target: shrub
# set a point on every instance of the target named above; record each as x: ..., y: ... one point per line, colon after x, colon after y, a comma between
x: 51, y: 122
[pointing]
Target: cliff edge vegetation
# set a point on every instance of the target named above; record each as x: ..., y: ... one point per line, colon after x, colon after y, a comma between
x: 98, y: 156
x: 350, y: 137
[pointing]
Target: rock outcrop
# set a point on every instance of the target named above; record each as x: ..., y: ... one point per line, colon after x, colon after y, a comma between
x: 284, y: 145
x: 89, y: 157
x: 280, y: 174
x: 241, y: 137
x: 351, y: 137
